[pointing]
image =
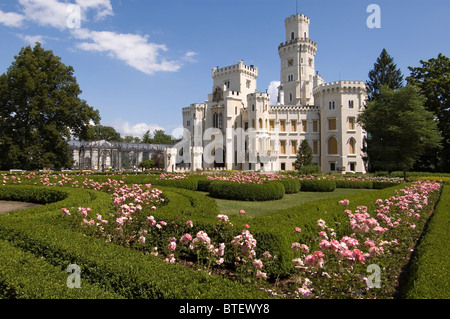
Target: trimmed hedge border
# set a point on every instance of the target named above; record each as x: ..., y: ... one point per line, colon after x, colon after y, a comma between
x: 247, y: 191
x: 115, y: 269
x: 428, y: 272
x: 314, y: 185
x: 291, y: 185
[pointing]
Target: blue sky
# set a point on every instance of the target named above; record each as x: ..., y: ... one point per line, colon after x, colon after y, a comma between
x: 140, y: 61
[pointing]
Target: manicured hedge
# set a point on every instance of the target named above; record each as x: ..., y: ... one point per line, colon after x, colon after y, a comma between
x: 246, y: 191
x: 354, y: 184
x: 383, y: 184
x: 291, y: 185
x: 429, y: 273
x: 315, y: 185
x: 32, y: 194
x: 42, y: 233
x: 25, y: 276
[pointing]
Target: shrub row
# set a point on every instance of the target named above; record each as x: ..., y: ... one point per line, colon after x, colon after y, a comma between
x: 314, y: 185
x: 428, y: 273
x: 24, y: 276
x: 32, y: 194
x: 291, y: 185
x: 246, y: 191
x: 116, y: 269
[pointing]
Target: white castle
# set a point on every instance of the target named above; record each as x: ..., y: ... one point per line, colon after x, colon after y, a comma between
x: 238, y: 129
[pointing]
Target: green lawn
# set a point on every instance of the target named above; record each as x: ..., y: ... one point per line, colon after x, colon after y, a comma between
x: 254, y: 209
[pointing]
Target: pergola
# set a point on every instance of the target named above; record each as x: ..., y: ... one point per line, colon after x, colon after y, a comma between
x: 100, y: 155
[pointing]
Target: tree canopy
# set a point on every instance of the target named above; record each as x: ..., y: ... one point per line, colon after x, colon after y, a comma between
x: 399, y: 128
x: 433, y: 79
x: 40, y: 109
x: 384, y: 72
x: 100, y: 132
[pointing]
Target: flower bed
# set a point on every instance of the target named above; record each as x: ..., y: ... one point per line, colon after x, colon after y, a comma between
x: 325, y: 246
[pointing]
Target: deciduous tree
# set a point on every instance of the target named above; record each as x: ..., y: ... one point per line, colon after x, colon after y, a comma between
x: 399, y: 128
x: 40, y: 109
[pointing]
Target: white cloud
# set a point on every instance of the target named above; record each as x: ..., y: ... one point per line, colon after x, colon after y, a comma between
x: 189, y: 57
x: 46, y: 12
x: 136, y: 130
x: 273, y: 91
x: 103, y: 7
x: 32, y: 39
x: 135, y: 50
x: 57, y: 14
x: 11, y: 19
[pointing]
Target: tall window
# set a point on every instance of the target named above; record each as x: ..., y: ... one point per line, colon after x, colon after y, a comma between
x: 315, y: 147
x: 351, y: 123
x: 272, y: 125
x: 215, y: 120
x: 220, y: 120
x: 283, y: 126
x: 260, y: 124
x: 332, y: 124
x: 294, y: 147
x: 283, y: 147
x: 315, y: 126
x: 304, y: 126
x: 290, y: 97
x: 332, y: 146
x: 294, y: 126
x: 350, y: 104
x: 352, y: 146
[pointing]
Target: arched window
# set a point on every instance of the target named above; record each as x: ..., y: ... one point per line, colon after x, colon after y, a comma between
x: 220, y: 120
x: 260, y: 124
x: 292, y: 36
x: 332, y: 146
x: 215, y: 120
x: 352, y: 146
x: 290, y: 97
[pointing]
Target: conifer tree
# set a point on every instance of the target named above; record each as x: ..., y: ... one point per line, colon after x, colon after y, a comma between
x: 304, y: 155
x: 384, y: 72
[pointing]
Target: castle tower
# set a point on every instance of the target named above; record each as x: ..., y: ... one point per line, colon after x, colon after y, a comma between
x: 297, y: 55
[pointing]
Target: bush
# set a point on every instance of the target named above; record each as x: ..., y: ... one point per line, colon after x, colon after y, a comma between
x: 428, y: 273
x: 42, y: 233
x: 246, y: 191
x: 309, y: 170
x: 317, y: 185
x: 291, y: 185
x: 203, y: 185
x: 31, y: 194
x: 354, y: 184
x: 382, y: 184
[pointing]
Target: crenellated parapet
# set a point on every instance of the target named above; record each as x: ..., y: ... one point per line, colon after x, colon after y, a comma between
x: 239, y: 67
x: 341, y: 87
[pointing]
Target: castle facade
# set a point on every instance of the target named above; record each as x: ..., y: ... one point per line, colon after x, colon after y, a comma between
x: 237, y: 128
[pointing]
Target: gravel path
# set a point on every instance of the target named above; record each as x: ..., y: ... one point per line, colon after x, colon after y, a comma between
x: 9, y: 206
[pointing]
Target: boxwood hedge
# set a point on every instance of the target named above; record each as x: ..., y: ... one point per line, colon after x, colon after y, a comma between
x: 246, y: 191
x: 318, y: 185
x: 117, y: 270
